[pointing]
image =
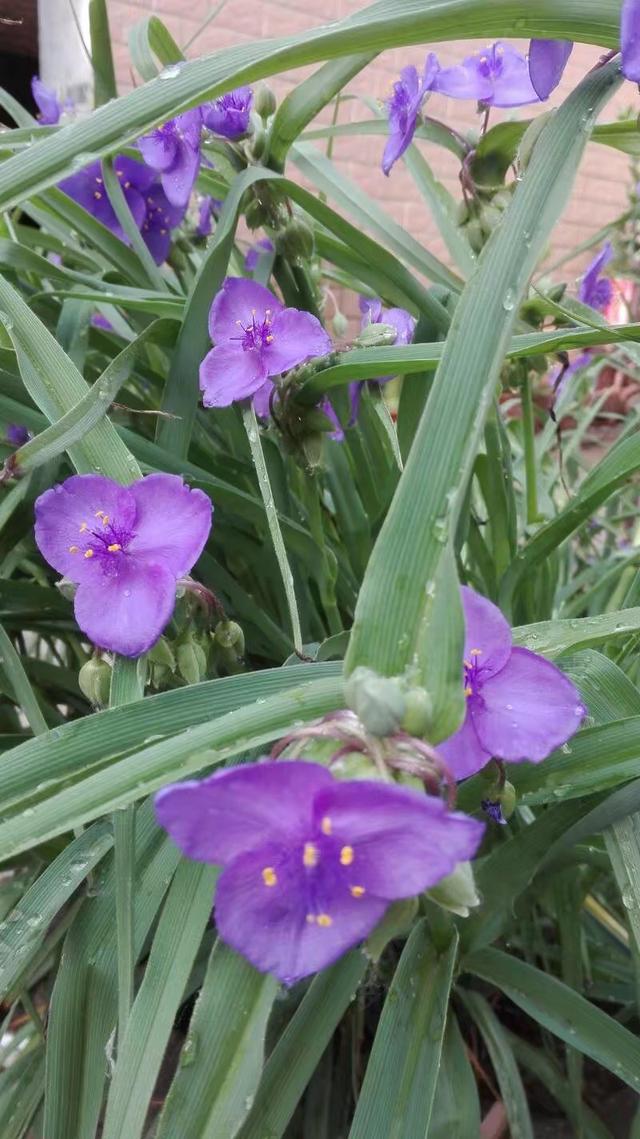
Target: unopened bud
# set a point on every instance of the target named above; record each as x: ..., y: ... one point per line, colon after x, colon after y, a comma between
x: 162, y: 654
x: 418, y: 712
x: 256, y: 214
x: 257, y: 143
x: 192, y: 661
x: 264, y: 101
x: 229, y: 635
x: 312, y: 447
x: 340, y: 324
x: 377, y: 335
x: 508, y: 799
x: 296, y: 241
x: 94, y: 680
x: 457, y: 892
x: 376, y: 700
x: 67, y: 588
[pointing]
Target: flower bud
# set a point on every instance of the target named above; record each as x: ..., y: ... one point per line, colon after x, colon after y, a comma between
x: 457, y: 892
x: 257, y: 143
x: 256, y: 214
x: 312, y: 447
x: 377, y: 335
x: 67, y: 588
x: 507, y: 799
x: 475, y: 236
x: 162, y: 654
x: 94, y: 680
x: 340, y: 324
x: 376, y: 700
x: 229, y: 635
x: 418, y: 712
x: 264, y: 101
x: 192, y: 661
x: 296, y: 241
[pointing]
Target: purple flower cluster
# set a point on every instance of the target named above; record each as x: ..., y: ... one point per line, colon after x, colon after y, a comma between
x: 173, y: 151
x: 230, y: 115
x: 519, y: 705
x: 255, y: 338
x: 373, y: 313
x: 125, y: 548
x: 310, y: 863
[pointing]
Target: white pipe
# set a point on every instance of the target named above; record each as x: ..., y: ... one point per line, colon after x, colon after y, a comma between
x: 64, y: 64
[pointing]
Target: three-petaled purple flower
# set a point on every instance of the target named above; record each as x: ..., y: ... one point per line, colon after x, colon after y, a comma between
x: 47, y: 102
x: 519, y: 705
x: 404, y: 106
x: 125, y: 548
x: 310, y: 863
x: 160, y: 219
x: 88, y: 190
x: 255, y: 251
x: 230, y: 115
x: 255, y: 338
x: 17, y: 435
x: 496, y: 77
x: 547, y: 61
x: 173, y: 150
x: 373, y: 313
x: 595, y: 290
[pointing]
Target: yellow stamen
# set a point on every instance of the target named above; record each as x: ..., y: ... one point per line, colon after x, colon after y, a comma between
x: 268, y: 339
x: 97, y: 195
x: 105, y: 519
x: 325, y: 825
x: 310, y: 855
x: 311, y: 918
x: 346, y: 856
x: 468, y: 690
x: 88, y: 553
x: 73, y: 549
x: 476, y: 652
x: 269, y: 876
x: 99, y: 514
x: 114, y: 548
x: 83, y: 527
x: 357, y: 891
x: 324, y: 920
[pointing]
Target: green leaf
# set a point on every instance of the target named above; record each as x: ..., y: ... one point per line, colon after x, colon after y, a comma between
x: 148, y: 38
x: 396, y: 1098
x: 12, y: 668
x: 551, y: 638
x: 554, y: 1080
x: 456, y: 1108
x: 298, y: 1051
x: 104, y: 76
x: 180, y: 929
x: 504, y: 1065
x: 565, y: 1013
x: 406, y: 556
x: 222, y: 1058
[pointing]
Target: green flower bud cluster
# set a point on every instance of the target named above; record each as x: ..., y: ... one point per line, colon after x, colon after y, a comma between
x: 94, y: 680
x: 479, y: 217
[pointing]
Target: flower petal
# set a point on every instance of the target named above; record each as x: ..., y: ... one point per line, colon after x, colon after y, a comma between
x: 297, y: 336
x: 234, y: 305
x: 178, y: 180
x: 125, y: 612
x: 47, y: 102
x: 236, y: 810
x: 527, y: 709
x: 66, y: 512
x: 462, y: 752
x: 172, y: 522
x: 268, y: 924
x: 159, y: 148
x: 228, y: 373
x: 512, y: 86
x: 464, y: 81
x: 401, y: 841
x: 132, y: 173
x: 547, y: 61
x: 630, y: 39
x: 262, y: 400
x: 486, y: 630
x: 403, y: 323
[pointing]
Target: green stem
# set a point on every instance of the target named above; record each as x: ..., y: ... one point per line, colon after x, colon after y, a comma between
x: 384, y: 415
x: 253, y: 435
x: 127, y: 686
x: 529, y: 439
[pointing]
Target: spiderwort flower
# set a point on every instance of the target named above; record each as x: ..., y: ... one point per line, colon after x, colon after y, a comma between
x: 547, y: 61
x: 206, y: 214
x: 519, y: 705
x: 161, y: 217
x: 496, y: 77
x: 17, y: 435
x: 46, y: 100
x: 88, y: 190
x: 125, y: 548
x: 404, y: 106
x: 310, y: 863
x: 595, y: 290
x: 174, y: 151
x: 229, y: 115
x: 255, y: 338
x: 255, y: 251
x: 373, y: 313
x: 630, y: 39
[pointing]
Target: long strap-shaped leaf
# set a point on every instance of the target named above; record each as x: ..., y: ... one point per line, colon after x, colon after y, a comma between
x: 389, y: 23
x: 406, y: 556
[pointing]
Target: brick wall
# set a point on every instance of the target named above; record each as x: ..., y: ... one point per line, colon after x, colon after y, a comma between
x: 600, y: 191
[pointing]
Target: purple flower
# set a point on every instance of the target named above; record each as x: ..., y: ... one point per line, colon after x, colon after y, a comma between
x: 255, y: 338
x: 547, y: 61
x: 206, y: 214
x: 125, y: 548
x: 100, y: 321
x: 630, y: 39
x: 497, y: 77
x: 264, y: 245
x: 560, y: 376
x: 494, y: 811
x: 594, y: 290
x: 160, y: 219
x: 17, y: 435
x: 519, y: 705
x: 229, y: 115
x: 88, y: 190
x: 373, y: 313
x: 404, y: 106
x: 174, y: 151
x: 310, y: 864
x: 47, y: 103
